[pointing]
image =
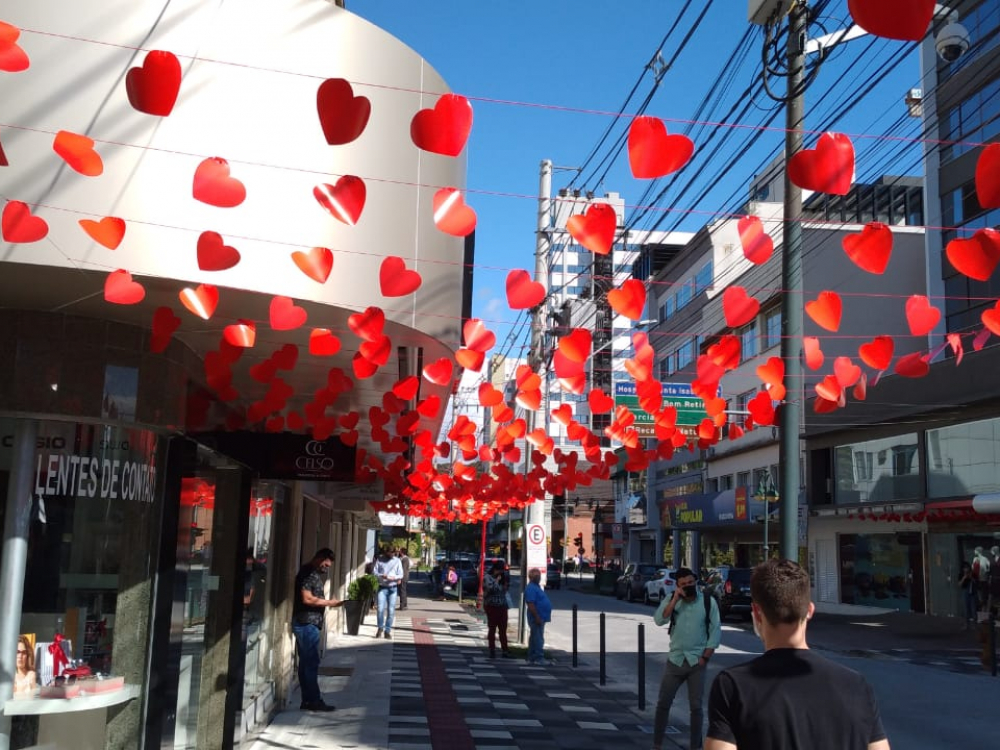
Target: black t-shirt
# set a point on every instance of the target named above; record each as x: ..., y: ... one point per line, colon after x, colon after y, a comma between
x: 793, y: 699
x: 302, y: 614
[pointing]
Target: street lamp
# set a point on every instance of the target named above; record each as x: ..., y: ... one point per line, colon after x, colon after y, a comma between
x: 766, y: 493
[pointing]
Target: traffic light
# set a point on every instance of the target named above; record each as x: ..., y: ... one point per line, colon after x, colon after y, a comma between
x: 578, y: 541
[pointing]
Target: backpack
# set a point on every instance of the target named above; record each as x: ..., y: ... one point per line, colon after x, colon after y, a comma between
x: 707, y: 599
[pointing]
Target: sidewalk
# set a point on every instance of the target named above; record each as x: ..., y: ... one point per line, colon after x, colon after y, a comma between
x: 433, y: 686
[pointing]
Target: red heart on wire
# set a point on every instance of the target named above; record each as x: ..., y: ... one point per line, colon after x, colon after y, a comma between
x: 316, y: 263
x: 363, y: 368
x: 367, y: 325
x: 165, y: 323
x: 600, y: 402
x: 596, y: 229
x: 828, y: 168
x: 477, y: 336
x: 629, y: 300
x: 830, y: 389
x: 3, y: 157
x: 109, y: 231
x: 913, y: 365
x: 342, y: 115
x: 430, y: 406
x: 772, y: 373
x: 576, y: 345
x: 200, y: 301
x: 522, y: 292
x: 285, y: 315
x: 445, y: 128
x: 153, y: 87
x: 991, y: 319
x: 241, y: 334
x: 757, y: 244
x: 120, y: 289
x: 921, y: 316
x: 489, y: 395
x: 407, y: 388
x: 376, y: 352
x: 826, y: 310
x: 395, y: 279
x: 870, y: 250
x: 17, y: 224
x: 860, y: 391
x: 988, y: 176
x: 214, y: 254
x: 78, y: 152
x: 738, y: 307
x: 652, y: 153
x: 322, y: 343
x: 846, y: 372
x: 215, y: 186
x: 470, y: 359
x: 13, y: 59
x: 344, y: 200
x: 451, y: 215
x: 877, y: 353
x: 905, y: 20
x: 976, y: 257
x: 813, y: 354
x: 761, y: 409
x: 439, y: 372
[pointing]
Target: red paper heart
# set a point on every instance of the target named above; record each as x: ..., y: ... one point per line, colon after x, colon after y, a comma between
x: 470, y: 359
x: 444, y: 129
x: 757, y: 244
x: 976, y: 257
x: 725, y: 352
x: 429, y: 407
x: 600, y: 402
x: 576, y: 345
x: 921, y: 316
x: 522, y: 292
x: 913, y: 365
x: 377, y: 352
x: 489, y: 396
x: 826, y: 310
x: 367, y: 325
x: 18, y: 225
x: 342, y: 115
x: 109, y: 231
x: 395, y: 279
x: 870, y: 250
x: 813, y: 354
x: 13, y: 59
x: 630, y: 300
x: 3, y: 157
x: 165, y: 322
x: 596, y: 229
x: 735, y: 432
x: 772, y: 373
x: 860, y: 391
x: 241, y: 334
x: 344, y: 200
x: 322, y: 343
x: 652, y: 153
x: 905, y: 20
x: 439, y: 372
x: 214, y: 185
x: 214, y: 254
x: 201, y: 301
x: 988, y: 176
x: 407, y: 388
x: 78, y: 152
x: 846, y: 372
x: 315, y: 263
x: 991, y: 319
x: 761, y: 409
x: 285, y: 315
x: 153, y: 87
x: 264, y: 372
x: 451, y: 215
x: 363, y: 368
x: 120, y: 289
x: 824, y: 406
x: 877, y: 353
x: 829, y: 168
x: 738, y: 307
x: 477, y: 336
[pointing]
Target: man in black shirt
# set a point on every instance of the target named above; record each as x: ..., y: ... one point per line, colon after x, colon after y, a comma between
x: 307, y: 624
x: 790, y: 698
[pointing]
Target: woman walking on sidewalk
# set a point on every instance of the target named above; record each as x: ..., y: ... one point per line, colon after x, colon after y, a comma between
x: 495, y: 603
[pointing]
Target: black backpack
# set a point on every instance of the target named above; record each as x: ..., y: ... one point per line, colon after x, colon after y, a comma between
x: 707, y: 599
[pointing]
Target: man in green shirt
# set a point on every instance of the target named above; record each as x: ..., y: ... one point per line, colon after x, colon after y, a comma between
x: 695, y: 631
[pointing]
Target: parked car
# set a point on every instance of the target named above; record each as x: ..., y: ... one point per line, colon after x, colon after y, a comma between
x: 661, y: 586
x: 632, y: 583
x: 731, y: 587
x: 553, y: 578
x: 468, y: 575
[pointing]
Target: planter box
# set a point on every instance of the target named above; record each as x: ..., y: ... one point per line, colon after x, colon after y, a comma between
x: 354, y: 613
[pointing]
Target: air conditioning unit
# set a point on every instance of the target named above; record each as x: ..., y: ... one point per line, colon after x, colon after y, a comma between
x: 762, y: 11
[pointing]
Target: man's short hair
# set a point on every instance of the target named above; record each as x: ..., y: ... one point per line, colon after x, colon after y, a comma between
x: 780, y: 588
x: 682, y: 573
x: 323, y: 554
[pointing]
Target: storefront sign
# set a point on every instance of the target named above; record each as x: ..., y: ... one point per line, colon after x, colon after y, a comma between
x: 741, y: 504
x: 729, y: 507
x: 287, y: 455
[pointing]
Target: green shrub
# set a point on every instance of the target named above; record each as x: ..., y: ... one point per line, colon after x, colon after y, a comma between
x: 362, y: 587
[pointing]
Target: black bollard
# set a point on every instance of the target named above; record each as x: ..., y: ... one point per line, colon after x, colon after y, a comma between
x: 459, y: 590
x: 575, y: 650
x: 993, y: 643
x: 604, y: 673
x: 642, y: 667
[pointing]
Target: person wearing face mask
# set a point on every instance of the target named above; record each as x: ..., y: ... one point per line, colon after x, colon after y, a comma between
x: 790, y: 697
x: 695, y: 632
x: 308, y: 616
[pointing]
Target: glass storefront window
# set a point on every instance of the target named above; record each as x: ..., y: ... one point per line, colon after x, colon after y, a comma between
x: 878, y: 471
x: 882, y: 570
x: 964, y: 459
x: 257, y: 610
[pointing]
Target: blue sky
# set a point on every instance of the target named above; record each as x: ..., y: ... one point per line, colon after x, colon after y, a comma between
x: 586, y: 55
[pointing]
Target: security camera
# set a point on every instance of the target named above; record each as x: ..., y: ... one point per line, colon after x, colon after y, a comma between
x: 952, y: 42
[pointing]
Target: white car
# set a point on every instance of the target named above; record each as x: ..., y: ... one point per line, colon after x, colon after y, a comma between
x: 660, y: 586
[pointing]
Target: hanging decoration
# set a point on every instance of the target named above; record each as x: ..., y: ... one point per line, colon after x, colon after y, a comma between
x: 756, y: 243
x: 17, y: 224
x: 342, y: 115
x: 214, y: 185
x: 652, y: 153
x: 905, y: 20
x: 451, y: 215
x: 78, y: 152
x: 595, y: 229
x: 828, y: 168
x: 214, y: 254
x: 13, y: 59
x: 395, y: 279
x: 109, y: 231
x: 445, y: 128
x: 153, y: 87
x: 870, y: 250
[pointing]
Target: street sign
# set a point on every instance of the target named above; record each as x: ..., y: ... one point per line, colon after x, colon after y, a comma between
x: 690, y: 408
x: 537, y: 554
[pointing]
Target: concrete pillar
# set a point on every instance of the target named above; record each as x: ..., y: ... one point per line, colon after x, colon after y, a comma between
x: 675, y: 535
x: 694, y: 552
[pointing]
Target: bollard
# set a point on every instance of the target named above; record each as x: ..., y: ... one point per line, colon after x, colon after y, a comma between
x: 459, y: 590
x: 604, y: 674
x: 575, y: 610
x: 642, y: 667
x: 993, y: 643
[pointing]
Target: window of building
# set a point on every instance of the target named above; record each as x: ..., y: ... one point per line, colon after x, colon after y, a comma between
x: 703, y: 279
x: 725, y: 482
x: 964, y: 459
x: 772, y: 328
x: 878, y: 470
x: 685, y: 355
x: 748, y: 340
x: 684, y: 295
x: 876, y: 569
x: 740, y: 402
x: 743, y: 479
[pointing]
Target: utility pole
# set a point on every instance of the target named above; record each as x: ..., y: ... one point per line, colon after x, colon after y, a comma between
x: 791, y: 282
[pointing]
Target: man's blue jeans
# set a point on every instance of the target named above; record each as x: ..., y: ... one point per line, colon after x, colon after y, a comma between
x: 307, y: 637
x: 536, y: 641
x: 386, y: 601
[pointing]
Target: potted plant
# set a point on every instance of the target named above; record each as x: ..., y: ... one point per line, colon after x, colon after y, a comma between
x: 360, y: 593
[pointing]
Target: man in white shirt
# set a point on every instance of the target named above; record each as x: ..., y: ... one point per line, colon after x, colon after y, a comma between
x: 389, y: 571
